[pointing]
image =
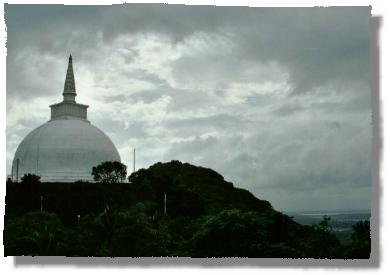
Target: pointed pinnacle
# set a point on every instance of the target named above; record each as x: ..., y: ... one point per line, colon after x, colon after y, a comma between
x: 69, y: 86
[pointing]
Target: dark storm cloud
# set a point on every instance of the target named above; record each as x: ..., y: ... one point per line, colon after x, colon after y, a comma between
x: 277, y: 100
x: 317, y: 45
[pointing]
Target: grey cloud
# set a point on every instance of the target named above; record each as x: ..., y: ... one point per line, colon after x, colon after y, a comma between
x: 286, y: 160
x: 221, y: 121
x: 316, y: 45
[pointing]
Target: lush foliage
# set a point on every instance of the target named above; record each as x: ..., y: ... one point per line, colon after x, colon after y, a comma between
x: 31, y: 179
x: 206, y: 217
x: 109, y: 172
x: 360, y: 246
x: 38, y: 233
x: 231, y: 233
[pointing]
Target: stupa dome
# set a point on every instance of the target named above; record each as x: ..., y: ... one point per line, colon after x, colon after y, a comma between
x: 65, y: 148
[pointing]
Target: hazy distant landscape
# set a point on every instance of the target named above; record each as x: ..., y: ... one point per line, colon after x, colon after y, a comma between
x: 341, y: 221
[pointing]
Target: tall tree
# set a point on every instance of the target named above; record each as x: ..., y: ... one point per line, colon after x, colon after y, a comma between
x: 109, y: 172
x: 31, y: 179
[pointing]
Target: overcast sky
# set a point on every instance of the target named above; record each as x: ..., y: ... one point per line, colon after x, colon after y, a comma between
x: 277, y: 100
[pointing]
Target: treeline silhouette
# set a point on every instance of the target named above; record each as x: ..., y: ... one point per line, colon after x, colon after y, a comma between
x: 203, y: 216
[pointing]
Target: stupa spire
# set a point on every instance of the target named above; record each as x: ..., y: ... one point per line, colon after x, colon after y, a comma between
x: 70, y: 86
x: 68, y: 108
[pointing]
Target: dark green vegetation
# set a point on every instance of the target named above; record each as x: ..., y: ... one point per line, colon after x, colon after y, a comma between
x: 205, y: 217
x: 109, y: 172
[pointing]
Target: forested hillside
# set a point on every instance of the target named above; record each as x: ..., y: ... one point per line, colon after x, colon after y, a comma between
x: 204, y: 216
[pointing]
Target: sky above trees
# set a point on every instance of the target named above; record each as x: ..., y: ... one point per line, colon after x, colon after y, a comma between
x: 277, y: 100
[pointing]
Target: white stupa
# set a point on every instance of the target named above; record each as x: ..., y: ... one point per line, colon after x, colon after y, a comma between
x: 65, y: 148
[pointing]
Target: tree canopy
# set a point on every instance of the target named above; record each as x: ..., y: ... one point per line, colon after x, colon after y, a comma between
x: 30, y: 179
x: 109, y: 172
